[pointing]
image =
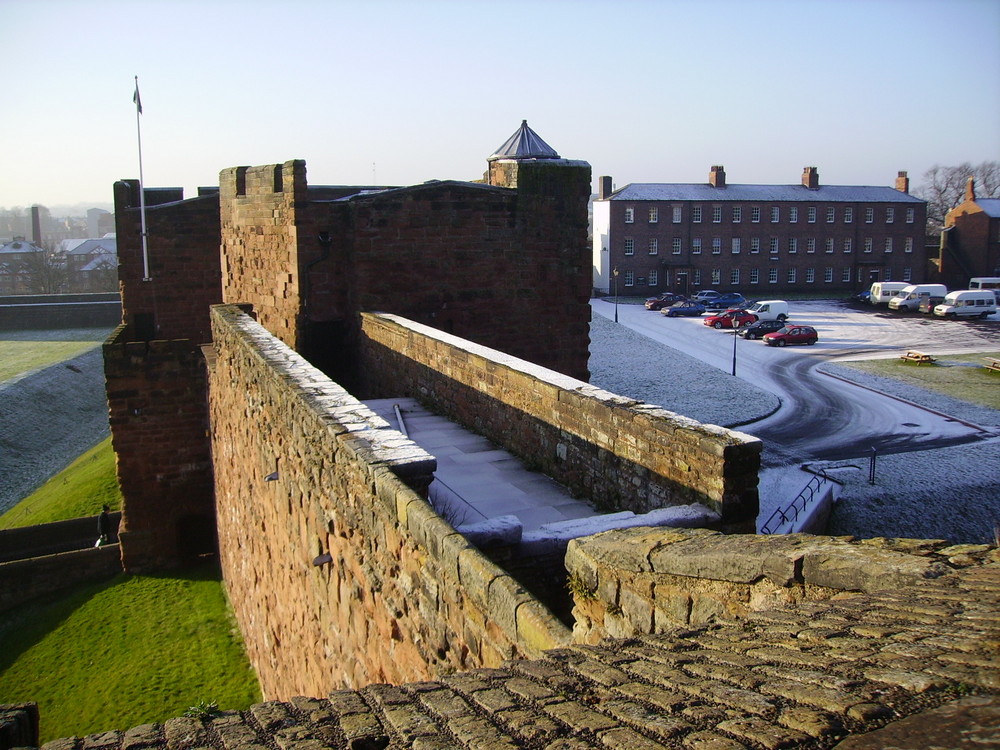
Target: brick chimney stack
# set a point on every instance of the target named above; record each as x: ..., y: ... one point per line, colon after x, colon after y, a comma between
x: 604, y: 187
x: 902, y: 183
x: 36, y: 226
x: 970, y: 189
x: 717, y: 177
x: 810, y: 177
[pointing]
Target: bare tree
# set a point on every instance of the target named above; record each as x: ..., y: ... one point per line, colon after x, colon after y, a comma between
x: 944, y: 188
x: 45, y: 272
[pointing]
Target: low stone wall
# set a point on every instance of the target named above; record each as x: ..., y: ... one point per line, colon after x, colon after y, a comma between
x: 34, y: 312
x: 51, y: 538
x: 639, y: 581
x: 24, y: 580
x: 620, y: 453
x: 338, y: 570
x: 18, y: 725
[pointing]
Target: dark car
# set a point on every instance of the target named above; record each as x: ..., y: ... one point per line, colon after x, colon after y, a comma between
x: 684, y: 307
x: 792, y: 335
x: 730, y: 319
x: 726, y: 301
x: 706, y: 294
x: 927, y: 304
x: 664, y: 300
x: 758, y: 329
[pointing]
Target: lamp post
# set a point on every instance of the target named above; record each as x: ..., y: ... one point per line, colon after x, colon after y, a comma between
x: 735, y: 329
x: 615, y: 273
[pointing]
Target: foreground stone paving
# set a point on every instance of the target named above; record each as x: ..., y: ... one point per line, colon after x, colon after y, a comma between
x: 914, y: 668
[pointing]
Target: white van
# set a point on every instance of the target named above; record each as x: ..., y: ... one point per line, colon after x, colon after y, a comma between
x: 883, y: 291
x: 909, y: 297
x: 986, y: 282
x: 769, y: 309
x: 967, y: 303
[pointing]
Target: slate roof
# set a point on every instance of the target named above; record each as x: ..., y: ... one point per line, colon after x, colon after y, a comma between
x: 679, y: 191
x: 20, y: 246
x: 106, y: 245
x: 990, y: 206
x: 524, y: 144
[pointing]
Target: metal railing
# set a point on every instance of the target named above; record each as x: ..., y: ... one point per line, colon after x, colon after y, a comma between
x: 789, y: 514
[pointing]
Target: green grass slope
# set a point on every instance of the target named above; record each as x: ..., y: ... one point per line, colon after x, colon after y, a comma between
x: 130, y: 652
x: 79, y: 490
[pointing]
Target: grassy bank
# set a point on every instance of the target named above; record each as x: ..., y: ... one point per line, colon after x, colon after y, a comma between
x: 130, y: 652
x: 79, y: 490
x: 25, y: 351
x: 960, y: 376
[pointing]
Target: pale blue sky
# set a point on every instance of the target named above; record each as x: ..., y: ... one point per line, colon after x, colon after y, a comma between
x: 402, y: 92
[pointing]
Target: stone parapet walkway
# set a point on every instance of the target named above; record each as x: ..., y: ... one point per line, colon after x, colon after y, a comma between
x: 912, y: 668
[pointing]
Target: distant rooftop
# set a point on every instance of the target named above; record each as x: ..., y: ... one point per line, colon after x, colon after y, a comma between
x: 524, y: 144
x: 664, y: 191
x: 990, y: 206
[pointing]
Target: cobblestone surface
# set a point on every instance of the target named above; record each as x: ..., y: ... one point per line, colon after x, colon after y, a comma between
x: 840, y: 673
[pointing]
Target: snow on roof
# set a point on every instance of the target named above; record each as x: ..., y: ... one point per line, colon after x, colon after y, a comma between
x: 990, y: 206
x: 101, y: 262
x: 667, y: 191
x: 20, y: 246
x: 524, y: 144
x: 91, y: 247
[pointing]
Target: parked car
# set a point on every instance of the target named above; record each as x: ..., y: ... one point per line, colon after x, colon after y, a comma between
x: 865, y: 297
x: 663, y: 300
x: 706, y: 294
x: 735, y: 318
x: 758, y: 329
x: 792, y: 335
x: 684, y: 307
x: 726, y: 301
x: 927, y: 304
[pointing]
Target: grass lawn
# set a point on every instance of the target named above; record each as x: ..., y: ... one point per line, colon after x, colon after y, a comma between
x: 129, y: 652
x: 78, y: 490
x: 24, y: 351
x: 957, y: 375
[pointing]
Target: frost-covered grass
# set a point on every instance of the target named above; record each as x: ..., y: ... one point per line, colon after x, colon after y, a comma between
x: 26, y: 351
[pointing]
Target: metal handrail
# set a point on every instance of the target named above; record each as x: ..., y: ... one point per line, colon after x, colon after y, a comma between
x: 790, y: 512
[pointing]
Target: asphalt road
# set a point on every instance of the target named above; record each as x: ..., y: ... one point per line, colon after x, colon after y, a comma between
x: 822, y: 417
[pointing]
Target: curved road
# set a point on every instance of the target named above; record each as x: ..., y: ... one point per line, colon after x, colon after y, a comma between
x: 822, y: 417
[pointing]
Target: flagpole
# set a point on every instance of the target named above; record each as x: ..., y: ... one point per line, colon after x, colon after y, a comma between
x: 142, y: 192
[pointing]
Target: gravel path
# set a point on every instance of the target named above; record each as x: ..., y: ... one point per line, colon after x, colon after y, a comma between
x: 47, y: 419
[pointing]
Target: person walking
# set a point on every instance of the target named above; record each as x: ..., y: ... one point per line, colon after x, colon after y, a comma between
x: 103, y: 527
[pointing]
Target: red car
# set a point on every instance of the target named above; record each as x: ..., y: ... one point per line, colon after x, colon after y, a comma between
x: 730, y: 319
x: 792, y: 335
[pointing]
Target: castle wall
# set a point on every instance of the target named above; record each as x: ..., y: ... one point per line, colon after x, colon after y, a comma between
x: 36, y: 577
x: 183, y: 254
x: 159, y: 425
x: 621, y: 453
x: 642, y: 580
x: 339, y: 572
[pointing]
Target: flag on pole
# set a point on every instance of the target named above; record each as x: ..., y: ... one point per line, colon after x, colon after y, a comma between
x: 135, y: 97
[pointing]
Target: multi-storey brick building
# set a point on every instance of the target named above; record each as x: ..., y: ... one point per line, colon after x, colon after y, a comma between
x: 970, y: 243
x: 757, y: 239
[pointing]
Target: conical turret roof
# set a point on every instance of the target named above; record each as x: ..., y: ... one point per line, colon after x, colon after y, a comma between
x: 525, y: 144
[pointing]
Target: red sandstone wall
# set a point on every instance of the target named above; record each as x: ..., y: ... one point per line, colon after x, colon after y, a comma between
x: 159, y: 425
x: 183, y: 252
x: 260, y: 243
x: 622, y: 454
x: 401, y: 595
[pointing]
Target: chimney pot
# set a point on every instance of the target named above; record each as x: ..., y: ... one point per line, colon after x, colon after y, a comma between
x: 902, y: 182
x: 604, y: 187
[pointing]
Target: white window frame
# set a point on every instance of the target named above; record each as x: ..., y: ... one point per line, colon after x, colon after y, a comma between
x: 716, y: 245
x: 911, y: 215
x: 848, y: 216
x: 829, y: 245
x: 754, y: 275
x: 630, y: 278
x: 773, y: 246
x: 793, y: 245
x: 696, y: 246
x: 654, y: 246
x: 696, y: 277
x: 908, y: 245
x: 831, y: 214
x: 654, y: 215
x: 696, y: 214
x: 811, y: 245
x: 828, y: 275
x: 716, y: 214
x: 848, y: 245
x: 869, y: 244
x: 888, y: 244
x: 890, y: 214
x: 734, y: 277
x: 792, y: 273
x: 775, y: 214
x: 754, y: 245
x: 629, y: 246
x: 737, y: 214
x: 810, y: 275
x: 629, y: 214
x: 736, y: 245
x: 755, y: 215
x: 907, y: 273
x: 676, y: 214
x: 653, y: 280
x: 845, y: 276
x: 716, y: 277
x: 675, y: 246
x: 869, y: 215
x: 772, y: 276
x: 811, y: 215
x: 793, y: 214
